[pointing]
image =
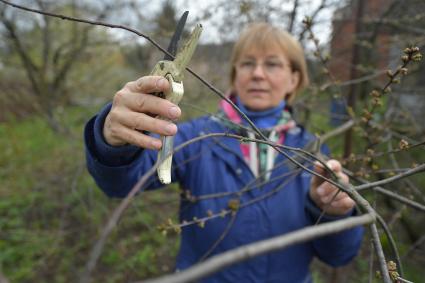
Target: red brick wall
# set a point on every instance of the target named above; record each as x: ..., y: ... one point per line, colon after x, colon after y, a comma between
x: 344, y: 34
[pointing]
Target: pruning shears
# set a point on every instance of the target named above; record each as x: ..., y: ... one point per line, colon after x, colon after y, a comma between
x: 173, y: 70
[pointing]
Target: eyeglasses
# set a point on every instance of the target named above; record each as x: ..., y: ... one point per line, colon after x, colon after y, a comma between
x: 270, y: 66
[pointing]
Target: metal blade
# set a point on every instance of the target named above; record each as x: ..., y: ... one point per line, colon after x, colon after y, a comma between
x: 172, y: 47
x: 185, y: 54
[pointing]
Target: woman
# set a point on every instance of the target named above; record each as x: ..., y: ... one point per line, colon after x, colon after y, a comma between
x: 267, y: 70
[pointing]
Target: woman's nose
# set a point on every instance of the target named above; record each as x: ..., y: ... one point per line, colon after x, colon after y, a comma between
x: 258, y: 71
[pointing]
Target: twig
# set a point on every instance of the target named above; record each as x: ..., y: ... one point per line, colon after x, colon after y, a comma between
x: 392, y: 243
x: 388, y: 193
x: 222, y: 236
x: 389, y: 152
x: 354, y: 81
x: 403, y: 280
x: 248, y: 187
x: 412, y: 171
x: 380, y: 254
x: 411, y: 54
x: 246, y: 252
x: 409, y: 184
x: 401, y: 199
x: 229, y: 211
x: 371, y: 273
x: 337, y: 131
x: 75, y: 19
x: 312, y: 18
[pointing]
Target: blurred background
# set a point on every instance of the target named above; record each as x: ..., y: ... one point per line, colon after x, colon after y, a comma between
x: 56, y: 74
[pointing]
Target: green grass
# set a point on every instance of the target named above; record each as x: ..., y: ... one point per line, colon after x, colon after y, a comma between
x: 51, y: 211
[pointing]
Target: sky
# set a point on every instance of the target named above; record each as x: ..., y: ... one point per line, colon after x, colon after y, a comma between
x: 211, y: 34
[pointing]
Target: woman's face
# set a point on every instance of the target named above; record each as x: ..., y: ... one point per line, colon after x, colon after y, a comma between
x: 263, y: 78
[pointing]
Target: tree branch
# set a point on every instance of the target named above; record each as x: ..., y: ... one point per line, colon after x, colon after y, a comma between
x: 415, y: 170
x: 337, y: 131
x: 401, y: 199
x: 391, y: 242
x: 380, y: 254
x: 312, y: 17
x: 293, y: 16
x: 29, y: 65
x: 246, y: 252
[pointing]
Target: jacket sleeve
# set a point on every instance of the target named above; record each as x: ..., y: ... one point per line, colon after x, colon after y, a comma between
x: 117, y: 169
x: 336, y: 249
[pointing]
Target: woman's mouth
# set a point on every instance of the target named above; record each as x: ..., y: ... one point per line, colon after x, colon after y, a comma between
x: 257, y: 91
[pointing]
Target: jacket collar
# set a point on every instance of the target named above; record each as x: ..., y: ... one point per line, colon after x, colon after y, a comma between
x: 228, y: 149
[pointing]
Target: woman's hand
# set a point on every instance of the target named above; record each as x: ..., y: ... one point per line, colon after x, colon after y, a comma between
x: 322, y: 192
x: 134, y: 110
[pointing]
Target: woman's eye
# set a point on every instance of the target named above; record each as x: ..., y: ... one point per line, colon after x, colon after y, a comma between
x: 273, y: 65
x: 248, y: 64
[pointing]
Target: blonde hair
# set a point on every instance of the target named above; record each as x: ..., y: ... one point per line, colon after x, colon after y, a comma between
x: 263, y: 36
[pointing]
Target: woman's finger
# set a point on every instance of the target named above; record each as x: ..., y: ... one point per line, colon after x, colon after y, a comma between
x: 143, y: 122
x: 345, y: 203
x: 333, y: 196
x: 149, y: 104
x: 148, y: 84
x: 137, y: 138
x: 333, y: 164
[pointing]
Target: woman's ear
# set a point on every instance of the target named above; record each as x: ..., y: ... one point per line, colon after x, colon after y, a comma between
x: 295, y: 80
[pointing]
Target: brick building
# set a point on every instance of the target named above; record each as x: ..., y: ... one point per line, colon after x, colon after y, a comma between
x: 367, y: 39
x: 372, y: 41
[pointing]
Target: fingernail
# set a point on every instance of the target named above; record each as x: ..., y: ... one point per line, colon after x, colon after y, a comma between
x: 174, y: 112
x: 171, y: 129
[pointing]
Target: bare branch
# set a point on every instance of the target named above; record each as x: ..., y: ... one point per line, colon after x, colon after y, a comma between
x: 403, y: 280
x: 418, y: 169
x: 354, y: 81
x: 222, y: 236
x: 401, y: 199
x: 98, y: 23
x: 381, y: 257
x: 293, y: 16
x: 30, y: 67
x: 337, y: 131
x: 313, y: 17
x: 387, y: 193
x: 392, y: 243
x: 371, y: 261
x: 246, y: 252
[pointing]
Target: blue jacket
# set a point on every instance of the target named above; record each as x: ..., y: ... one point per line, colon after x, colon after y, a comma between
x: 216, y: 165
